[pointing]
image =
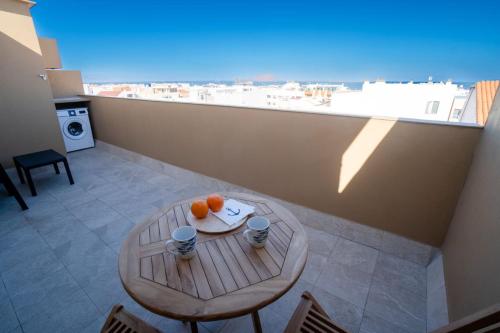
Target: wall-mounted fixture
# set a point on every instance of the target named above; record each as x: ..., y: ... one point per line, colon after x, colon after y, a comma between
x: 43, y: 76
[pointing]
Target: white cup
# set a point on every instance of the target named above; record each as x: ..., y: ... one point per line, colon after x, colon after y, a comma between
x: 183, y: 241
x: 257, y: 231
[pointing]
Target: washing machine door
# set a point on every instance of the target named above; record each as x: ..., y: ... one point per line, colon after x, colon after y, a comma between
x: 75, y: 128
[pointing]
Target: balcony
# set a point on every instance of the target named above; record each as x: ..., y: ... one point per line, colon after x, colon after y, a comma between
x: 401, y: 215
x: 58, y: 259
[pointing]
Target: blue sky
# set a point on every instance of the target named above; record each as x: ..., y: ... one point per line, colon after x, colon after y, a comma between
x: 280, y: 40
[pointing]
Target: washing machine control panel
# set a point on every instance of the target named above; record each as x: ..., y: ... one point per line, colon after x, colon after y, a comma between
x: 74, y: 112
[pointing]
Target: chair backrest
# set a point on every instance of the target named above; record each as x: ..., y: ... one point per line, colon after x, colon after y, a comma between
x: 309, y: 317
x: 3, y: 174
x: 122, y: 321
x: 484, y: 321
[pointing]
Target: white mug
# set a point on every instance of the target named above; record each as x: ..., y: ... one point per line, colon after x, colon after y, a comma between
x: 184, y: 242
x: 257, y: 231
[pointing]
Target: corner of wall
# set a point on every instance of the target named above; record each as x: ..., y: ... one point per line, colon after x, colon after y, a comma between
x: 471, y: 247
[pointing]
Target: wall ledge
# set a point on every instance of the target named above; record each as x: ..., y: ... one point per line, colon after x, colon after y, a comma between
x: 407, y: 120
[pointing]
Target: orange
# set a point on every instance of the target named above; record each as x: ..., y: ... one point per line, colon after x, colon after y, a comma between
x: 215, y: 202
x: 199, y: 208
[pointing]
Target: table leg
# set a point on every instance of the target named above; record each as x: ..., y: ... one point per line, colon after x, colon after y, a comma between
x: 19, y: 172
x: 30, y: 182
x: 194, y: 327
x: 256, y: 322
x: 56, y: 168
x: 68, y: 171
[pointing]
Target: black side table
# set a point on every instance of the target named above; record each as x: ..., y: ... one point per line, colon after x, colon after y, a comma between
x: 39, y: 159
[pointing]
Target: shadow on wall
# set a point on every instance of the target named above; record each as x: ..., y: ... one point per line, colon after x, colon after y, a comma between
x: 409, y: 177
x: 398, y: 176
x: 27, y: 114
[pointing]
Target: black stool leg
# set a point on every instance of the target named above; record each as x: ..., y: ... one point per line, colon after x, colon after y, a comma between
x: 30, y: 182
x: 68, y: 171
x: 56, y: 168
x: 19, y: 172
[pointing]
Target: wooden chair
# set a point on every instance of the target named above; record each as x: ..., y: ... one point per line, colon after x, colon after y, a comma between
x: 122, y: 321
x: 11, y: 189
x: 309, y: 317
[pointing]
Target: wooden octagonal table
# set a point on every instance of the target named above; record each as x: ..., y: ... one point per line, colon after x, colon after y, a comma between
x: 226, y: 278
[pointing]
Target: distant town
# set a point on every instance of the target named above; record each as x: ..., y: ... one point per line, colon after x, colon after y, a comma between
x: 431, y: 101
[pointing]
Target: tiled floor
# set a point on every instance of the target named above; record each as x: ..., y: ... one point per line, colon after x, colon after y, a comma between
x: 58, y: 260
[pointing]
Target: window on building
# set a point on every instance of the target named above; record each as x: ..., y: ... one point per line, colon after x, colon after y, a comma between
x: 456, y: 114
x: 432, y: 107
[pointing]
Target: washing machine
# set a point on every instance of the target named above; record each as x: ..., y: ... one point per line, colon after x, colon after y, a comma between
x: 75, y: 128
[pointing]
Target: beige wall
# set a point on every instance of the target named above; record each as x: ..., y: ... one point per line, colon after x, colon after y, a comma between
x: 28, y: 120
x: 65, y: 83
x: 398, y: 176
x: 472, y: 248
x: 50, y: 53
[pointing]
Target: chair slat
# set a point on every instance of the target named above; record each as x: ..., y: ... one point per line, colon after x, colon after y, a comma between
x: 321, y: 325
x: 122, y: 321
x: 325, y: 320
x: 309, y: 317
x: 112, y: 328
x: 304, y: 329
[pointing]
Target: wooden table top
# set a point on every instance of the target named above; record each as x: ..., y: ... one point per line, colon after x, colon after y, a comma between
x: 226, y: 278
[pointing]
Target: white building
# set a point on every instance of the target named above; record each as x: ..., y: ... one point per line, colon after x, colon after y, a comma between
x: 427, y: 101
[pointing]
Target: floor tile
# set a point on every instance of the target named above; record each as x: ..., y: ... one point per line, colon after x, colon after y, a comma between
x: 346, y: 282
x: 95, y: 326
x: 314, y: 266
x: 286, y: 304
x: 240, y: 324
x: 374, y: 324
x: 355, y: 232
x: 406, y: 249
x: 21, y: 276
x: 12, y: 223
x: 36, y: 212
x: 320, y: 242
x: 103, y: 190
x: 71, y: 313
x: 20, y: 246
x: 44, y: 293
x: 8, y: 318
x: 343, y: 312
x: 115, y: 232
x: 95, y: 214
x: 213, y: 326
x: 117, y: 196
x: 86, y: 251
x: 397, y: 305
x: 60, y: 229
x: 105, y: 290
x: 170, y: 325
x: 355, y: 255
x: 400, y: 273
